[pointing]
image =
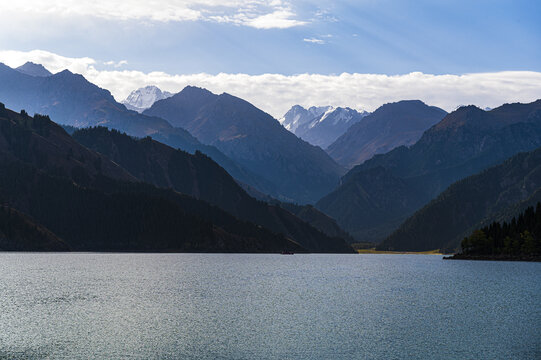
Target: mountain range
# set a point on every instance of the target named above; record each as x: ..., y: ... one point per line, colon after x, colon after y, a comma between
x: 322, y: 125
x: 396, y: 184
x: 248, y: 143
x: 144, y: 97
x: 71, y: 100
x: 254, y: 139
x: 198, y: 171
x: 78, y: 195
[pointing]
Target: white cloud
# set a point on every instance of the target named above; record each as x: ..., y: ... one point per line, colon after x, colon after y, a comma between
x: 314, y: 41
x: 51, y: 61
x: 116, y: 64
x: 260, y: 14
x: 281, y: 19
x: 276, y: 93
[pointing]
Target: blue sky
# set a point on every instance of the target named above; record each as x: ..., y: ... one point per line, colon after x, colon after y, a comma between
x: 389, y: 37
x: 256, y: 37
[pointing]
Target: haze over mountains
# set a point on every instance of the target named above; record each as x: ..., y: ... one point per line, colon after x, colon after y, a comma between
x: 199, y: 176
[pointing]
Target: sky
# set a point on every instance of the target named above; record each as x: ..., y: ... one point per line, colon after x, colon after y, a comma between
x: 278, y: 53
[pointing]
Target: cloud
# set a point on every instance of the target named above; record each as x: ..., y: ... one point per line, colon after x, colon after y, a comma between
x: 314, y: 41
x: 276, y: 93
x: 116, y: 64
x: 281, y: 19
x: 53, y: 62
x: 260, y: 14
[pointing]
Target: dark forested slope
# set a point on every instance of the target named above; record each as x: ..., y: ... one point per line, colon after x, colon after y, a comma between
x: 469, y: 203
x: 464, y: 143
x: 199, y: 176
x: 72, y: 100
x: 94, y: 204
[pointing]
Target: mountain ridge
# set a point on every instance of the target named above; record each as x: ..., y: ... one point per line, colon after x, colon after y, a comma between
x: 70, y: 193
x: 390, y: 126
x: 72, y: 100
x: 33, y: 69
x: 200, y: 177
x: 254, y: 139
x: 470, y: 204
x: 444, y: 154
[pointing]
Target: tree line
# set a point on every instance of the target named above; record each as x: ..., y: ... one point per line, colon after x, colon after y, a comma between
x: 519, y: 237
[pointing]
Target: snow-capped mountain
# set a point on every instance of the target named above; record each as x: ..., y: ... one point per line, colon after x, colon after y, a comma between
x: 297, y: 116
x: 145, y: 97
x: 320, y: 125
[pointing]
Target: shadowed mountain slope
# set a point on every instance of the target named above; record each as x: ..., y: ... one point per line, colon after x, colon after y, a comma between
x: 94, y: 204
x: 465, y: 142
x: 469, y: 204
x: 71, y: 100
x: 254, y: 139
x: 20, y: 233
x: 390, y: 126
x: 199, y: 176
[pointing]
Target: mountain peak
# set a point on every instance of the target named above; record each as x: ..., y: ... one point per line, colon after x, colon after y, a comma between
x: 195, y: 90
x: 391, y: 125
x: 320, y: 125
x: 33, y: 69
x: 298, y: 116
x: 64, y: 72
x: 145, y: 97
x: 253, y: 138
x: 404, y: 103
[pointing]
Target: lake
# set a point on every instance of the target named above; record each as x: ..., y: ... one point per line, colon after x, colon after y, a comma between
x: 233, y: 306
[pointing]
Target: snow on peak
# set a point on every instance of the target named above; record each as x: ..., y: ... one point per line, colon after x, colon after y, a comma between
x: 299, y: 116
x: 145, y: 97
x: 338, y: 115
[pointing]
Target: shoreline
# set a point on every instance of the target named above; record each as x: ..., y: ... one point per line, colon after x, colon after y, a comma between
x: 381, y: 252
x: 528, y: 258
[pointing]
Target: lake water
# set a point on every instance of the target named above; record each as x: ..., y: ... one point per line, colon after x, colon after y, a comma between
x: 216, y: 306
